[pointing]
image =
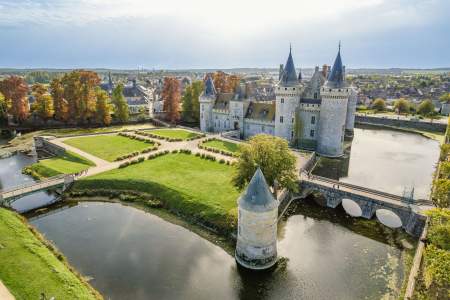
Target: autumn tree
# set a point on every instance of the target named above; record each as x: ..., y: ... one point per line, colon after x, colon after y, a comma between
x: 43, y: 102
x: 15, y: 90
x: 190, y: 102
x: 426, y: 108
x: 171, y: 96
x: 233, y: 82
x: 3, y: 110
x: 273, y: 156
x: 120, y: 104
x: 402, y: 105
x: 60, y: 105
x: 221, y: 82
x: 103, y: 107
x: 379, y: 105
x: 445, y: 98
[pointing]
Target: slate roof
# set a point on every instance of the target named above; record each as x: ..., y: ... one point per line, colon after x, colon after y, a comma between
x: 263, y: 111
x: 336, y: 77
x: 257, y: 196
x: 210, y: 90
x: 310, y: 101
x: 223, y: 100
x: 289, y: 76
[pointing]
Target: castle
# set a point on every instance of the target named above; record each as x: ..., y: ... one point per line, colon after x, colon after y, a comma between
x: 314, y: 115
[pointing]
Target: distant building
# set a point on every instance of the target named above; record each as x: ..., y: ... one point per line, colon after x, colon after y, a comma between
x: 314, y: 115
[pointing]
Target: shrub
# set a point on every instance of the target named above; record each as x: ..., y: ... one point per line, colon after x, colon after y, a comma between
x: 175, y: 151
x: 222, y: 161
x: 197, y: 154
x: 441, y: 193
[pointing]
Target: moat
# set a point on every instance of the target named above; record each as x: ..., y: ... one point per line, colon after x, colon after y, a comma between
x: 130, y: 253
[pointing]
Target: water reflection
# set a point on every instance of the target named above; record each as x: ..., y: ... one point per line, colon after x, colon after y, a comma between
x: 132, y: 254
x: 386, y: 160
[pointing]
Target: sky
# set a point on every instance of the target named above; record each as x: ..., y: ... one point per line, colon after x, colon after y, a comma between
x: 182, y: 34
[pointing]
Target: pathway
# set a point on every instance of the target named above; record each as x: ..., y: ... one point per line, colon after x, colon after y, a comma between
x: 4, y: 293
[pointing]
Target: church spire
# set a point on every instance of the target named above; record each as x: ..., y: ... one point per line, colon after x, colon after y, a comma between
x: 289, y: 76
x: 336, y: 77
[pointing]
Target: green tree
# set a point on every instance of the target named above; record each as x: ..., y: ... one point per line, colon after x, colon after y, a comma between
x: 3, y: 109
x: 426, y: 108
x: 186, y: 103
x: 445, y: 98
x: 120, y: 104
x: 60, y: 104
x: 379, y: 105
x: 441, y: 193
x: 402, y: 105
x: 273, y: 156
x: 103, y: 107
x: 43, y: 105
x: 190, y: 102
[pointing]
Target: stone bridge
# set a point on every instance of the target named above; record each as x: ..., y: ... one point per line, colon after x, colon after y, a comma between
x: 368, y: 200
x: 10, y: 195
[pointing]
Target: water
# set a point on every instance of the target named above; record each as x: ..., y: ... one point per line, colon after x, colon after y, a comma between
x: 386, y: 160
x: 132, y: 254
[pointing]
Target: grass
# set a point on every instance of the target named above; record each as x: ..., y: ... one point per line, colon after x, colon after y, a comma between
x: 222, y: 145
x: 30, y: 267
x: 175, y: 133
x: 107, y: 147
x: 69, y: 163
x: 196, y: 188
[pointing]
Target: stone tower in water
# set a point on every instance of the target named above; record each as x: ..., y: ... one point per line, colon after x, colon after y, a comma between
x: 256, y: 246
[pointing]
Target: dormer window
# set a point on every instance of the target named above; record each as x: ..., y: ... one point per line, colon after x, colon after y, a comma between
x: 282, y: 100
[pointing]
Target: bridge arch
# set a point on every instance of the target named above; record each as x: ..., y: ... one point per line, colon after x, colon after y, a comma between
x: 351, y: 207
x: 388, y: 218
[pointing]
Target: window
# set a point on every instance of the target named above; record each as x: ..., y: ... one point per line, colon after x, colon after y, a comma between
x: 203, y: 107
x: 292, y: 134
x: 285, y: 89
x: 201, y: 116
x: 292, y: 120
x: 263, y: 128
x: 281, y: 119
x: 282, y: 100
x: 313, y: 119
x: 311, y: 133
x: 315, y: 95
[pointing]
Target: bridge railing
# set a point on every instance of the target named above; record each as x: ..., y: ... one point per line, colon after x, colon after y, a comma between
x: 356, y: 187
x: 41, y: 183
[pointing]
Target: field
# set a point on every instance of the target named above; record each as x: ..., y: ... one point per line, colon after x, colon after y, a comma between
x: 107, y: 147
x: 174, y: 133
x: 194, y: 187
x: 69, y: 163
x: 222, y: 145
x: 28, y: 268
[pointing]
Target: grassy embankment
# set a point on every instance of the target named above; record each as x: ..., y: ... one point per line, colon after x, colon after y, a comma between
x: 175, y: 133
x: 31, y: 266
x: 107, y: 147
x: 69, y: 163
x: 222, y: 145
x: 198, y: 189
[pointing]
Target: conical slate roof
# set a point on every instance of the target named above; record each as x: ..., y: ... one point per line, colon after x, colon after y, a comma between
x: 336, y: 77
x: 257, y: 196
x: 289, y: 76
x: 210, y: 90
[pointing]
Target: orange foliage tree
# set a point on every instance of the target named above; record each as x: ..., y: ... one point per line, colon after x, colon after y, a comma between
x: 60, y: 104
x: 171, y: 95
x: 15, y: 90
x: 224, y: 82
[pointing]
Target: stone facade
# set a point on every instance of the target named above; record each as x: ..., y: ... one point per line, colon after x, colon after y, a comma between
x: 312, y: 115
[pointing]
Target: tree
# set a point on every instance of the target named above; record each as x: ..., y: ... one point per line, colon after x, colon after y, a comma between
x: 220, y: 82
x: 379, y: 105
x: 273, y: 156
x: 171, y: 96
x: 43, y: 104
x: 190, y: 102
x: 441, y: 193
x: 15, y: 90
x: 60, y: 104
x: 402, y: 105
x: 103, y: 107
x: 426, y: 108
x: 3, y: 109
x: 445, y: 98
x: 120, y: 104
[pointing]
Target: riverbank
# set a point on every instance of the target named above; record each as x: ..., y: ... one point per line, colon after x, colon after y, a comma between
x: 32, y: 266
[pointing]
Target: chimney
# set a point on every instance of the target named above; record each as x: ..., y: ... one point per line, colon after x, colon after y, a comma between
x: 325, y: 70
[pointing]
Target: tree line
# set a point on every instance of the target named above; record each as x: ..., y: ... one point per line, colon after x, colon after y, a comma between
x: 74, y: 98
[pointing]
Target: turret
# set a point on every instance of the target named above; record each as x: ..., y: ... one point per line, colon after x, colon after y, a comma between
x: 206, y: 101
x: 333, y: 111
x: 287, y: 94
x: 256, y: 246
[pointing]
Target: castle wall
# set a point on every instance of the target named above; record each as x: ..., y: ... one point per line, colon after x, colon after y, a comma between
x: 206, y: 114
x: 351, y: 110
x: 287, y: 100
x: 221, y: 120
x: 254, y: 127
x: 333, y: 114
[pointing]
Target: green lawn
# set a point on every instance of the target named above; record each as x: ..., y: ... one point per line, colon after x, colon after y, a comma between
x: 194, y: 187
x: 28, y: 268
x: 175, y: 133
x: 107, y: 147
x: 69, y: 163
x: 222, y: 145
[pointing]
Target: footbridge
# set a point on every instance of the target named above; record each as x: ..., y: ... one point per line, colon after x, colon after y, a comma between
x: 365, y: 202
x: 10, y: 195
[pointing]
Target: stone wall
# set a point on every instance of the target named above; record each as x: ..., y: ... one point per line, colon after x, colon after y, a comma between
x: 419, y: 125
x: 42, y: 143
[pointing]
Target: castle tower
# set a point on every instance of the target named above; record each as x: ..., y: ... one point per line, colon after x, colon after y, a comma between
x: 351, y: 110
x: 206, y: 100
x: 333, y: 111
x: 287, y: 94
x: 256, y: 246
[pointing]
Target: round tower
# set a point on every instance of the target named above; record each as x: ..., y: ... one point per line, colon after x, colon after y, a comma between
x: 351, y: 110
x: 256, y: 246
x: 287, y: 94
x: 206, y: 100
x: 333, y: 111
